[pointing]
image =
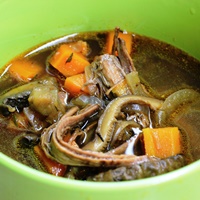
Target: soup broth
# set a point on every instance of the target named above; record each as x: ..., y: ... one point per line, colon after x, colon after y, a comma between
x: 82, y: 106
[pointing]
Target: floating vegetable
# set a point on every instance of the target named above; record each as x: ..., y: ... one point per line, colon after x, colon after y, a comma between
x: 25, y: 70
x: 162, y: 142
x: 75, y: 84
x: 92, y: 153
x: 67, y: 61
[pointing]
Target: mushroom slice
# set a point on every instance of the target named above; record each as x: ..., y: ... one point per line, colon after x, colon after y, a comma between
x: 67, y: 153
x: 152, y: 167
x: 106, y: 123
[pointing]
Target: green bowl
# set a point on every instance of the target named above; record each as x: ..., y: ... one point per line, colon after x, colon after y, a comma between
x: 25, y: 24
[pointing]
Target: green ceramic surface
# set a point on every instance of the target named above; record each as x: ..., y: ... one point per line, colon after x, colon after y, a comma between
x: 24, y: 24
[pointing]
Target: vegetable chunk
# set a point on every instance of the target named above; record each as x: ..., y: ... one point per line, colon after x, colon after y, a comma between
x: 75, y: 84
x: 162, y: 142
x: 67, y: 61
x: 24, y: 70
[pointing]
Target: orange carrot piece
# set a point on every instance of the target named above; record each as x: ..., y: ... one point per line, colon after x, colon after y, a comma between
x: 52, y: 166
x: 162, y: 142
x: 67, y: 61
x: 75, y: 84
x: 127, y: 37
x: 25, y: 70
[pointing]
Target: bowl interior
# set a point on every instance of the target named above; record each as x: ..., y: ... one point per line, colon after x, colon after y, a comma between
x: 25, y: 24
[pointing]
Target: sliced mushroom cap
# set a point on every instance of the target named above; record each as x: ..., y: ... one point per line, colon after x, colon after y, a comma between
x: 107, y: 121
x: 152, y: 167
x: 66, y: 152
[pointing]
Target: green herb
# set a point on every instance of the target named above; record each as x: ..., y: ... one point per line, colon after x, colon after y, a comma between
x: 70, y: 58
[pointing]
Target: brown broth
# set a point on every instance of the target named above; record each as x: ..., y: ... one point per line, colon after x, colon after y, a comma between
x: 162, y: 68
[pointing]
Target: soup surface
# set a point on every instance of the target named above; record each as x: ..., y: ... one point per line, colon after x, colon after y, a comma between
x: 101, y: 106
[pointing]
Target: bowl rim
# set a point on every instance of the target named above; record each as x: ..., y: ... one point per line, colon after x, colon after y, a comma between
x: 43, y: 177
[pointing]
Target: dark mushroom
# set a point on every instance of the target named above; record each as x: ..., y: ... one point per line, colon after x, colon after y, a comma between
x: 150, y: 168
x: 107, y: 121
x: 69, y: 153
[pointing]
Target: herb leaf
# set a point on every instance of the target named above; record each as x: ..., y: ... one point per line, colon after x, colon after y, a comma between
x: 70, y: 58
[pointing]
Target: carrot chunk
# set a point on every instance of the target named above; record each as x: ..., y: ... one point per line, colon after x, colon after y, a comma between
x: 125, y: 36
x: 75, y: 84
x: 162, y: 142
x: 67, y: 61
x: 51, y: 166
x: 24, y: 70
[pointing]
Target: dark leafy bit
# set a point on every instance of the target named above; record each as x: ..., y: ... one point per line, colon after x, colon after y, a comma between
x: 70, y: 58
x: 98, y: 134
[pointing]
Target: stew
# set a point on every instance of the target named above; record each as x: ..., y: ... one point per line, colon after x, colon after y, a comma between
x: 101, y: 106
